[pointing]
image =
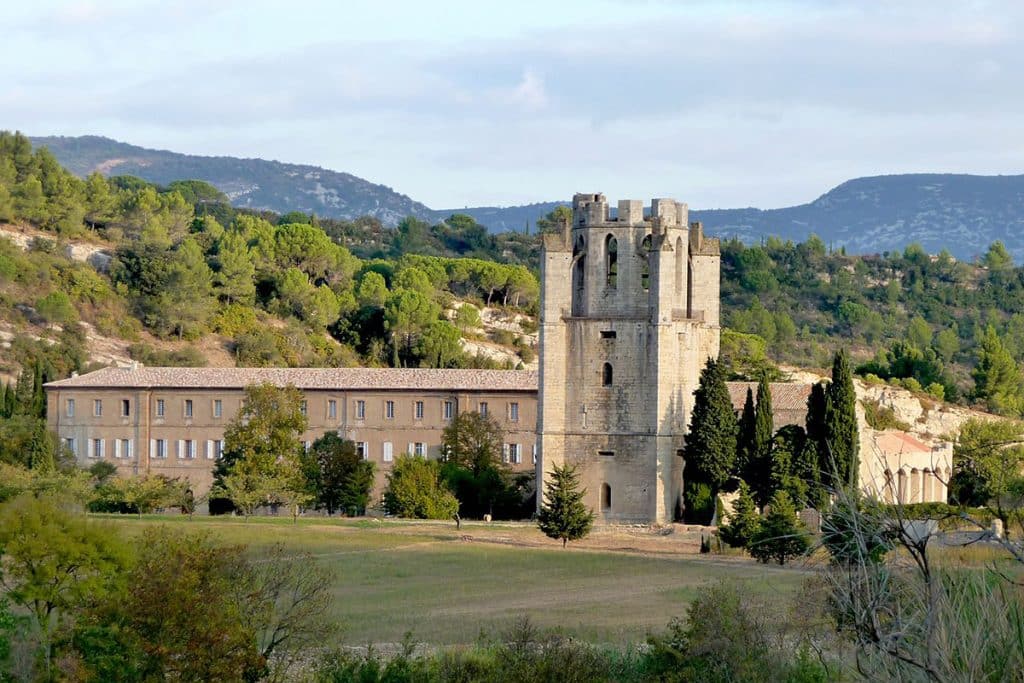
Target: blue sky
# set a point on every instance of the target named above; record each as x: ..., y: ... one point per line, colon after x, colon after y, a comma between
x: 720, y: 104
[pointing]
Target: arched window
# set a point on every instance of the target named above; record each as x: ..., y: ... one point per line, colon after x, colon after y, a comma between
x: 579, y: 269
x: 645, y: 263
x: 680, y: 263
x: 606, y: 497
x: 606, y: 375
x: 611, y: 261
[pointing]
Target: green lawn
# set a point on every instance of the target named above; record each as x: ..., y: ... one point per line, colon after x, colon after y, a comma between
x: 394, y: 577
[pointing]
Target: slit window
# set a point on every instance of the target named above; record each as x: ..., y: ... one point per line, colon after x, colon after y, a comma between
x: 606, y: 375
x: 126, y: 407
x: 606, y: 454
x: 607, y: 334
x: 645, y: 263
x: 606, y: 497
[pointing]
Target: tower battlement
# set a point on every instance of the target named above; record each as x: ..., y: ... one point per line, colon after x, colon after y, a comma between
x: 593, y: 210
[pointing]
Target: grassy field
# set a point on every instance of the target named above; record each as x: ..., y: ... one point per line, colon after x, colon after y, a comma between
x: 448, y: 586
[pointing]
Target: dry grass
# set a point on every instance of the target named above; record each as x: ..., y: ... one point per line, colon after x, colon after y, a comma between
x: 448, y: 586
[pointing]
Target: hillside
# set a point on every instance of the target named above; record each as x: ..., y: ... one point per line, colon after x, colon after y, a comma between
x: 249, y: 183
x: 960, y: 213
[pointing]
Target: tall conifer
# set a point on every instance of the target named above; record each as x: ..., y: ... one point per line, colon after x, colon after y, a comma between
x: 711, y: 443
x: 563, y: 515
x: 760, y: 467
x: 841, y: 422
x: 745, y: 442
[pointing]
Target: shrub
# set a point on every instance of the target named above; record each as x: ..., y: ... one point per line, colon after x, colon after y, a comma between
x: 56, y: 307
x: 744, y: 523
x: 781, y: 536
x: 414, y: 489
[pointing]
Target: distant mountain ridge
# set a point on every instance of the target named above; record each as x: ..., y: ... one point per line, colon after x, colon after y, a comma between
x: 958, y: 212
x: 249, y: 183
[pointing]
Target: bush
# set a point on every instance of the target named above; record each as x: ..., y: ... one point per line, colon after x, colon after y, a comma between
x: 188, y: 357
x: 56, y: 307
x: 781, y: 536
x: 700, y: 502
x: 744, y: 523
x: 415, y: 490
x: 880, y: 417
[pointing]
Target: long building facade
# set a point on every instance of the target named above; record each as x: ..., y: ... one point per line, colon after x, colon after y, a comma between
x: 171, y: 421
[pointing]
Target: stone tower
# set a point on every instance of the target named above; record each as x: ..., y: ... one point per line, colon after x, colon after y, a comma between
x: 629, y: 315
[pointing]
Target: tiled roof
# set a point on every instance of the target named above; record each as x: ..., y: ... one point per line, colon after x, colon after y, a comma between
x: 785, y: 395
x: 893, y: 442
x: 305, y: 378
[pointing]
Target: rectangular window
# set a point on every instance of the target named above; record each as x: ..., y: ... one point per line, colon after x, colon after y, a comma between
x: 218, y: 407
x: 513, y: 412
x: 482, y: 408
x: 218, y: 448
x: 606, y: 454
x: 126, y: 407
x: 419, y: 449
x: 159, y: 407
x: 449, y: 410
x: 332, y: 410
x: 97, y: 448
x: 117, y: 448
x: 419, y: 410
x: 363, y: 450
x: 303, y: 407
x: 69, y: 443
x: 504, y: 452
x: 187, y: 449
x: 534, y: 454
x: 97, y: 407
x: 159, y: 448
x: 360, y: 410
x: 389, y: 410
x: 515, y: 455
x: 126, y: 449
x: 188, y: 407
x: 607, y: 334
x: 388, y: 452
x: 70, y: 405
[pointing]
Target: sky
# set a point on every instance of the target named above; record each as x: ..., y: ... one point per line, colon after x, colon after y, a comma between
x: 468, y: 103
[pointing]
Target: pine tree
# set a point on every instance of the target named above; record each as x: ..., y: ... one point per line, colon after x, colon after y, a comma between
x: 841, y: 423
x: 781, y: 536
x: 997, y: 377
x: 188, y: 291
x: 711, y: 443
x: 235, y: 279
x: 563, y: 515
x: 759, y: 469
x: 744, y: 521
x: 745, y: 441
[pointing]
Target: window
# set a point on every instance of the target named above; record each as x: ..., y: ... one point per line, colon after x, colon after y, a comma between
x: 389, y: 410
x: 363, y: 450
x: 606, y: 497
x: 218, y: 407
x: 218, y: 448
x: 97, y: 407
x: 419, y: 449
x: 606, y: 375
x: 515, y: 453
x: 606, y: 454
x: 69, y: 443
x: 611, y: 256
x: 159, y: 407
x: 645, y: 268
x: 126, y: 407
x: 513, y: 412
x: 123, y: 448
x: 70, y: 407
x: 360, y: 410
x: 159, y: 448
x: 607, y: 334
x: 188, y: 407
x: 419, y: 410
x: 332, y: 410
x: 482, y: 409
x: 97, y: 448
x: 388, y: 452
x: 187, y: 449
x: 303, y: 407
x: 449, y: 409
x: 534, y: 454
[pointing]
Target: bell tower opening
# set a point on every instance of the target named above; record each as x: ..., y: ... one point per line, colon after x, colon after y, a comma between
x: 579, y: 274
x: 611, y: 262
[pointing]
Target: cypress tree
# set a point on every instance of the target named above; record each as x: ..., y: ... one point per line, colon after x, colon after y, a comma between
x: 4, y: 412
x: 38, y: 394
x: 711, y: 443
x: 745, y: 442
x: 841, y: 422
x: 760, y: 467
x: 10, y: 401
x: 563, y: 515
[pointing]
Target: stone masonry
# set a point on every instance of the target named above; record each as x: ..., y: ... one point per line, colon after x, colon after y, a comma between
x: 629, y: 316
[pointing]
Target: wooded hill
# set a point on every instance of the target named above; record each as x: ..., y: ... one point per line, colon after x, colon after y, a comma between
x: 296, y: 290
